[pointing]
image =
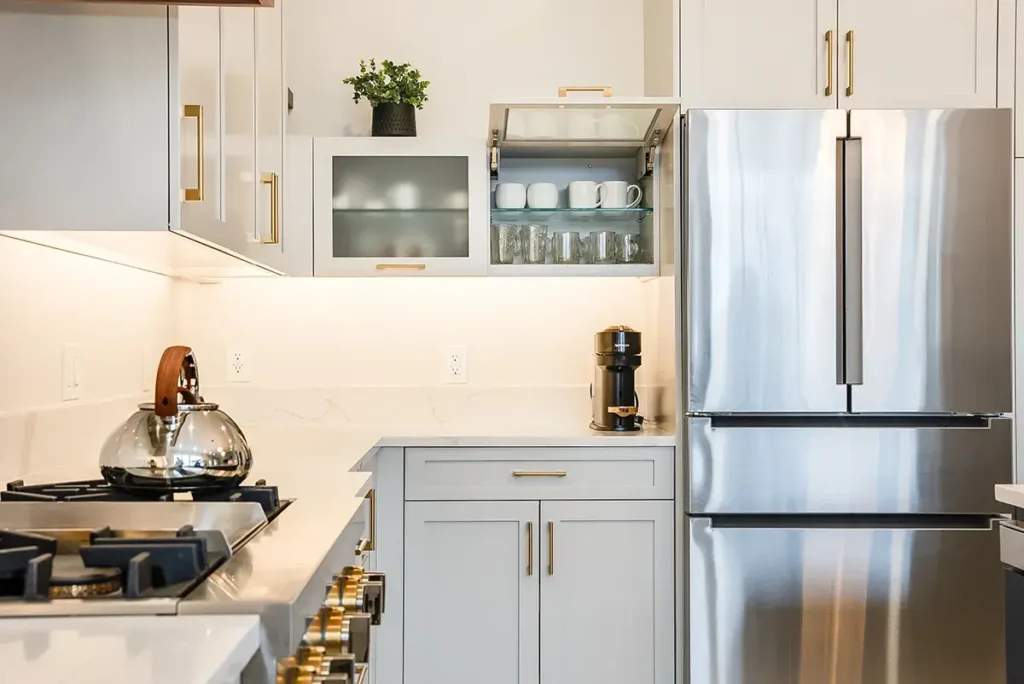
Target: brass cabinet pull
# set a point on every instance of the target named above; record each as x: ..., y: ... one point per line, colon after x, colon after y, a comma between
x: 849, y: 75
x: 606, y: 91
x: 196, y: 194
x: 529, y: 548
x: 539, y: 473
x: 551, y: 548
x: 371, y: 496
x: 272, y: 179
x: 401, y: 267
x: 828, y: 62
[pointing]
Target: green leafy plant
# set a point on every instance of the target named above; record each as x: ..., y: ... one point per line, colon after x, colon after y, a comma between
x: 394, y: 83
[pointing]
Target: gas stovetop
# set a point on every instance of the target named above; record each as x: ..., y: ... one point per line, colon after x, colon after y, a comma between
x: 103, y: 564
x: 99, y: 490
x: 84, y: 548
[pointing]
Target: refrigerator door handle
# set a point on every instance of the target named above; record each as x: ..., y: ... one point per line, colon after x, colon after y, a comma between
x: 849, y: 263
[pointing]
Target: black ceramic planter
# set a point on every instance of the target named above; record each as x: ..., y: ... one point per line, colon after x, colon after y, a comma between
x: 394, y: 120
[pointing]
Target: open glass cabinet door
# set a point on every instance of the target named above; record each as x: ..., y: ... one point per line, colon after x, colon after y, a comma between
x: 594, y: 122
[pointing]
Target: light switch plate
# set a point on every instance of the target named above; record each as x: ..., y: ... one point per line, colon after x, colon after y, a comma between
x: 71, y: 372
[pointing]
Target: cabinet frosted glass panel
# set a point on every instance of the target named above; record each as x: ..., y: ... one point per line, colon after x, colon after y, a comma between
x: 402, y: 206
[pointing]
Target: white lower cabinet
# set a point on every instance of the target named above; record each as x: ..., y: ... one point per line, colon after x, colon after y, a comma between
x: 471, y: 595
x: 607, y: 571
x: 528, y: 592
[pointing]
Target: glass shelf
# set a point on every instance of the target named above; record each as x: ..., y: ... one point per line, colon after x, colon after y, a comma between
x: 559, y: 215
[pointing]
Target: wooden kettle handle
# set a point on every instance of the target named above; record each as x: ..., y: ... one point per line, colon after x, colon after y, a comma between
x: 167, y: 374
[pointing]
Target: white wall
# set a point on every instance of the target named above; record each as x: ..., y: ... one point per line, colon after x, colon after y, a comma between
x: 49, y: 298
x: 363, y: 332
x: 472, y: 52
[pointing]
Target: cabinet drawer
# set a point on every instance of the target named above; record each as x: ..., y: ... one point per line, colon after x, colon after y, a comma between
x: 442, y: 474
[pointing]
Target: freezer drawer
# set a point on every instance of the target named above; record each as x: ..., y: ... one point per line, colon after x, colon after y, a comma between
x: 786, y: 605
x: 846, y: 469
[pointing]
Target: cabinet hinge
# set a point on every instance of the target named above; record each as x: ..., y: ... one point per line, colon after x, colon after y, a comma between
x: 494, y: 153
x: 649, y: 161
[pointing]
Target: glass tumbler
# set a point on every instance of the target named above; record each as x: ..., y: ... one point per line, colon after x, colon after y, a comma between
x: 601, y: 247
x: 534, y: 242
x: 627, y: 248
x: 504, y: 243
x: 566, y: 247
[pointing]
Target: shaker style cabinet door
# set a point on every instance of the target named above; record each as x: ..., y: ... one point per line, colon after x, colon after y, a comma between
x: 268, y: 246
x: 199, y: 86
x: 917, y: 54
x: 239, y: 141
x: 607, y: 568
x: 757, y: 54
x: 472, y: 592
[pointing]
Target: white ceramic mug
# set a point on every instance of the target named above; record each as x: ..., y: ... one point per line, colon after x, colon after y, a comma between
x: 542, y: 196
x: 617, y: 195
x: 587, y: 194
x: 510, y: 196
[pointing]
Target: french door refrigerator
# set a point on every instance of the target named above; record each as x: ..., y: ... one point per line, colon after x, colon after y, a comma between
x: 848, y: 374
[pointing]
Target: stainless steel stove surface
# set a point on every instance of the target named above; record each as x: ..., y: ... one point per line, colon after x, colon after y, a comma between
x: 99, y: 490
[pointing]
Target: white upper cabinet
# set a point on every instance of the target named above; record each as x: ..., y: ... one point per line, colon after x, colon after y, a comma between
x: 917, y: 54
x: 123, y: 124
x: 851, y: 54
x: 83, y: 124
x: 752, y: 53
x: 399, y: 206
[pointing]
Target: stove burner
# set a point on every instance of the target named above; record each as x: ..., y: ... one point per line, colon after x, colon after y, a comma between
x: 100, y: 490
x: 75, y: 563
x: 71, y: 579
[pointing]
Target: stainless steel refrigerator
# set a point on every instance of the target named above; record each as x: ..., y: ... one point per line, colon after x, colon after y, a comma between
x: 848, y: 393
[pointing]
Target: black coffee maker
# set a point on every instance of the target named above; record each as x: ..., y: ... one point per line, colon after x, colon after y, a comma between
x: 616, y: 358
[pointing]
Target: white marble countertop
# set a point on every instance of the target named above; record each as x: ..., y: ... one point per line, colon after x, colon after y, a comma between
x: 128, y: 650
x: 1010, y: 494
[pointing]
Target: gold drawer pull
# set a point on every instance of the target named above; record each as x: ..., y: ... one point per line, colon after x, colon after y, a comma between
x: 196, y: 194
x: 529, y: 547
x: 539, y: 473
x: 849, y: 77
x: 551, y: 547
x: 363, y: 546
x: 828, y: 60
x: 401, y: 267
x: 371, y: 496
x: 272, y: 179
x: 606, y: 91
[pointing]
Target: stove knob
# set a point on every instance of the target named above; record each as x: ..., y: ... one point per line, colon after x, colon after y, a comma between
x: 340, y: 632
x: 294, y: 674
x: 373, y: 578
x: 346, y: 593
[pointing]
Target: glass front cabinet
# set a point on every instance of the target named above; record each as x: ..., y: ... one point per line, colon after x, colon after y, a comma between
x: 582, y: 186
x: 399, y: 206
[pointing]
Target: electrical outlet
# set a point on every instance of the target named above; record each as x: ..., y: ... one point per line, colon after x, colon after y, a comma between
x: 71, y: 372
x: 455, y: 367
x: 238, y: 367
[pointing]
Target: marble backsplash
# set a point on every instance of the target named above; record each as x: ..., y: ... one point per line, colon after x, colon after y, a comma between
x: 49, y: 440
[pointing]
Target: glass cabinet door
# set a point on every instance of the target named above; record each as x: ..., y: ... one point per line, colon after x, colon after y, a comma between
x: 591, y: 123
x: 399, y: 206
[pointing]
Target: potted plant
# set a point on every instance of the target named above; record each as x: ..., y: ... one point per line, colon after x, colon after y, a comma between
x: 395, y: 92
